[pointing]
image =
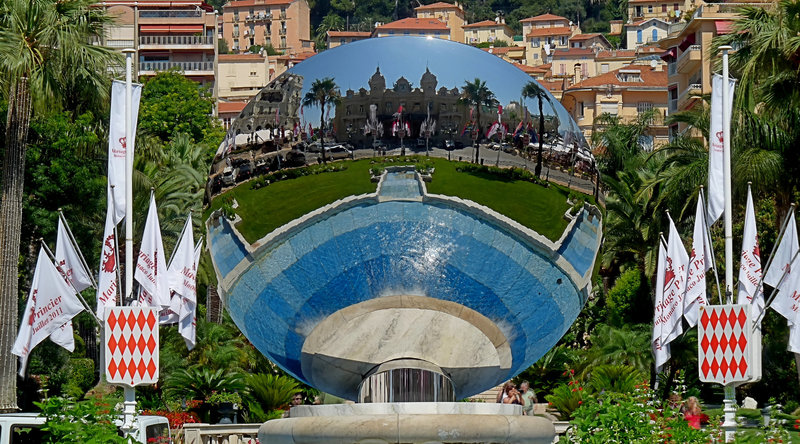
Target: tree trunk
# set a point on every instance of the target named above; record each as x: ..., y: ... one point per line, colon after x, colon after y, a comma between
x: 17, y: 124
x: 538, y: 170
x: 478, y: 137
x: 322, y: 132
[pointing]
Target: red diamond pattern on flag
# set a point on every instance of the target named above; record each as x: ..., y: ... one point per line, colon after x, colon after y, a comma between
x: 724, y: 351
x: 132, y: 351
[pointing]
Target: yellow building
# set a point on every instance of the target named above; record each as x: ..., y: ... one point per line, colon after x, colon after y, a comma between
x: 668, y: 10
x: 645, y: 32
x: 593, y: 40
x: 339, y: 38
x: 283, y: 24
x: 624, y: 92
x: 688, y: 53
x: 511, y: 54
x: 428, y: 27
x: 544, y: 34
x: 241, y: 76
x: 487, y: 31
x: 451, y: 14
x: 574, y: 63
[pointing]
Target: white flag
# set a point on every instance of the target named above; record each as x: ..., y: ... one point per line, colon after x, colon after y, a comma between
x: 716, y: 194
x: 51, y: 303
x: 68, y: 260
x: 784, y: 302
x: 107, y: 280
x: 151, y: 265
x: 64, y: 337
x: 187, y: 325
x: 750, y: 292
x: 182, y: 268
x: 117, y: 144
x: 699, y: 264
x: 661, y: 351
x: 675, y: 271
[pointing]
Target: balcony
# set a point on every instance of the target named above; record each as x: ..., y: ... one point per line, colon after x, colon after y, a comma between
x: 689, y: 59
x: 176, y: 42
x: 247, y: 31
x: 694, y: 90
x: 119, y: 43
x: 282, y: 31
x: 283, y: 15
x: 188, y: 68
x: 171, y: 14
x: 262, y: 16
x: 236, y: 34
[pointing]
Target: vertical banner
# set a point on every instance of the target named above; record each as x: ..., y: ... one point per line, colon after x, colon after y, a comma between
x: 716, y: 192
x: 107, y: 278
x: 117, y: 144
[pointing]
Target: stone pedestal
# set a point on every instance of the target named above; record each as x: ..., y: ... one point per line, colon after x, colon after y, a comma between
x: 412, y: 423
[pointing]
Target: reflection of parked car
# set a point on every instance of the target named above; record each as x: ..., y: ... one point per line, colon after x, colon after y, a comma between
x: 216, y: 184
x: 262, y: 167
x: 314, y: 147
x: 338, y: 152
x: 294, y: 159
x: 448, y: 145
x: 238, y: 162
x: 244, y: 172
x: 228, y: 176
x: 507, y: 148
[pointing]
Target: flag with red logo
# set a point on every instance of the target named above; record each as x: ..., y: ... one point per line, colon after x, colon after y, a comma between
x: 716, y: 194
x: 107, y: 283
x: 51, y: 304
x: 751, y: 291
x: 117, y: 144
x: 68, y: 260
x: 699, y: 264
x: 151, y: 265
x: 661, y: 351
x: 675, y: 272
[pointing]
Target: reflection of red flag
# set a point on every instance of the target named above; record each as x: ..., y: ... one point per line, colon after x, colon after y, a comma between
x: 500, y: 109
x: 400, y: 110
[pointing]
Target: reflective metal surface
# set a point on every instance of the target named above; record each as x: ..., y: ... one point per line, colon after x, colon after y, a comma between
x: 406, y: 380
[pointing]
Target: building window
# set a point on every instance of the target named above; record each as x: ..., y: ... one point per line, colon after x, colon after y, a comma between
x: 389, y: 108
x: 536, y: 57
x: 609, y: 108
x: 664, y: 7
x: 655, y: 35
x: 563, y: 40
x: 562, y: 68
x: 253, y: 73
x: 638, y: 36
x: 643, y: 107
x: 650, y: 9
x: 341, y: 41
x: 638, y: 11
x: 603, y: 68
x: 535, y: 42
x: 283, y: 42
x: 580, y: 110
x: 675, y: 7
x: 236, y: 15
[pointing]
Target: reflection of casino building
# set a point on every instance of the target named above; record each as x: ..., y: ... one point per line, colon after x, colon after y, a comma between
x: 276, y: 105
x: 353, y: 111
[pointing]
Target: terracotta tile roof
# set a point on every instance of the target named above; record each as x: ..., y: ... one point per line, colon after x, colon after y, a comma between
x: 241, y: 3
x: 230, y: 107
x: 642, y: 22
x: 552, y: 85
x: 585, y: 36
x: 437, y: 5
x: 573, y: 52
x: 349, y: 34
x: 484, y: 24
x: 615, y: 54
x: 415, y: 24
x: 239, y: 57
x: 543, y: 18
x: 297, y: 57
x: 650, y: 78
x: 528, y: 69
x: 557, y: 30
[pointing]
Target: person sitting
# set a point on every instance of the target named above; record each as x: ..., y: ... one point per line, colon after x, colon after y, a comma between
x: 693, y: 413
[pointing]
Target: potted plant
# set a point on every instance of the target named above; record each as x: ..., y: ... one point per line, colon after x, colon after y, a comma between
x: 224, y: 406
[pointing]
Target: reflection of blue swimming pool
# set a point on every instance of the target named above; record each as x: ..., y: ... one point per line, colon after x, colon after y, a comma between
x: 404, y: 247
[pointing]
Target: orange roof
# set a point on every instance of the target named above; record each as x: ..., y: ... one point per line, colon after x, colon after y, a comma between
x: 572, y: 52
x: 616, y: 53
x: 543, y: 18
x: 297, y: 58
x: 557, y: 30
x: 230, y: 107
x: 415, y: 24
x: 241, y: 3
x: 641, y: 22
x: 484, y: 24
x: 552, y: 85
x: 527, y: 69
x: 438, y: 5
x: 650, y: 78
x: 349, y: 34
x: 239, y: 57
x: 585, y: 36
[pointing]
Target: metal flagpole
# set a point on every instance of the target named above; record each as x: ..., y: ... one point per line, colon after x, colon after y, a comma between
x: 729, y: 425
x: 75, y: 244
x: 116, y: 249
x: 83, y: 301
x: 710, y: 245
x: 130, y: 392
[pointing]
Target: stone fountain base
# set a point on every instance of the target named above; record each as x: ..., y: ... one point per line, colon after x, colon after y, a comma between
x: 412, y: 423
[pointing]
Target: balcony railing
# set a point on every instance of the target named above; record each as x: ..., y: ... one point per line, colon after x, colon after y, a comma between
x: 170, y: 40
x: 229, y: 433
x: 282, y: 31
x: 283, y: 15
x: 171, y: 14
x: 183, y: 66
x: 692, y: 90
x: 114, y: 43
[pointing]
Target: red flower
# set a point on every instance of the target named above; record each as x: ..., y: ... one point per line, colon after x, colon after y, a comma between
x: 580, y: 402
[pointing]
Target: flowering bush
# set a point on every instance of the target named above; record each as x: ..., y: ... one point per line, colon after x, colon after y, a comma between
x: 176, y: 419
x: 566, y: 398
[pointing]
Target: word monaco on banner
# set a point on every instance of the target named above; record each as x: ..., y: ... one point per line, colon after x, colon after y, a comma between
x: 727, y: 344
x: 131, y: 345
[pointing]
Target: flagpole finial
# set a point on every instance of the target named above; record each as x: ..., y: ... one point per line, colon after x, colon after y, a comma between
x: 702, y: 187
x: 749, y: 183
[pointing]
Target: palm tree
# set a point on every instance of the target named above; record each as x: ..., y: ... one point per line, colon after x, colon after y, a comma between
x: 477, y: 95
x: 533, y: 90
x: 46, y: 53
x: 322, y: 92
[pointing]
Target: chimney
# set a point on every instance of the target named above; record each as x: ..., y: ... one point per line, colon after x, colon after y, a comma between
x: 578, y: 78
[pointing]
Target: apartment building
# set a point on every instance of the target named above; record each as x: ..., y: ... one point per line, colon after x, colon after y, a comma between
x: 645, y: 32
x: 625, y: 92
x: 241, y: 76
x: 511, y: 54
x: 487, y: 31
x: 338, y: 38
x: 544, y: 34
x: 166, y: 35
x: 688, y: 53
x: 425, y: 27
x: 283, y: 24
x: 451, y: 14
x: 593, y: 40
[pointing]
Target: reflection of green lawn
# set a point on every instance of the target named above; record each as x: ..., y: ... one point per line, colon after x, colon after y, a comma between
x: 270, y: 207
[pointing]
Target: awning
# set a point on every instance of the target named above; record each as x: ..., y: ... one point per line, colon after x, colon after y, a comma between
x: 687, y: 42
x: 171, y: 28
x: 724, y: 27
x: 154, y: 28
x: 670, y: 53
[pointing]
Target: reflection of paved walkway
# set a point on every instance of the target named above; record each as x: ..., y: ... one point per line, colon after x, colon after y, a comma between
x: 491, y: 157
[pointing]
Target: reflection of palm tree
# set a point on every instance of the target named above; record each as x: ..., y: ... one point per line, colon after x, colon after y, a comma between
x: 46, y: 60
x: 322, y: 92
x: 476, y: 94
x: 533, y: 90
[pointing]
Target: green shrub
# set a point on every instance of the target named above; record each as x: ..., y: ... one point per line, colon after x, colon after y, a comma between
x: 81, y: 377
x: 84, y: 422
x: 620, y: 299
x: 615, y: 378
